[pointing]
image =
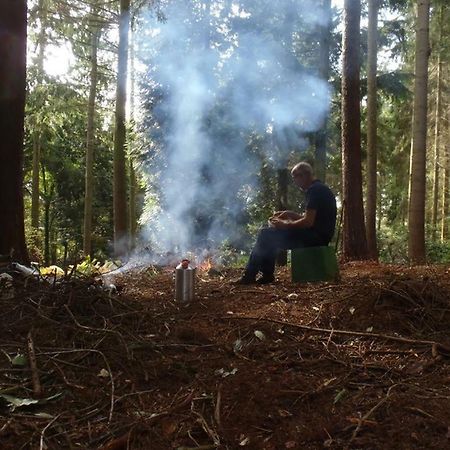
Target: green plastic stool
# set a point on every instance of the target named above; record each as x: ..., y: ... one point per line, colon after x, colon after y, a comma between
x: 314, y: 264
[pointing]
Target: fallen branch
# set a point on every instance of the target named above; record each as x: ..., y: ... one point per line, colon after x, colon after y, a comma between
x: 217, y: 407
x: 387, y: 337
x: 364, y: 419
x: 37, y: 388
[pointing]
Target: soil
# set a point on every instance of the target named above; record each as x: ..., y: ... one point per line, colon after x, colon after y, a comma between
x: 362, y: 362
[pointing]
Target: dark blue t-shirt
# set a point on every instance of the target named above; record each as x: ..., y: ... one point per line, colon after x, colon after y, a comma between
x: 320, y: 198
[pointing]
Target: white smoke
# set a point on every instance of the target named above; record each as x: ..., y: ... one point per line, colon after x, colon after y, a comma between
x: 223, y: 77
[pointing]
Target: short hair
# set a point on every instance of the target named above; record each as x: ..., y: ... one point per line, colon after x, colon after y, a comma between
x: 304, y: 168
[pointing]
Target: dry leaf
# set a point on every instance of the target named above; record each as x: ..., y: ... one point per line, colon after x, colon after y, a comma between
x: 169, y: 427
x: 103, y: 373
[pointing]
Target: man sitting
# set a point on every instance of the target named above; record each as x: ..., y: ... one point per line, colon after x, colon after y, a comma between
x: 288, y: 229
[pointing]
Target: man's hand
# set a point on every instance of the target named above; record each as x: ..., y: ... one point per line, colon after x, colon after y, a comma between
x: 281, y: 224
x: 286, y: 215
x: 285, y: 221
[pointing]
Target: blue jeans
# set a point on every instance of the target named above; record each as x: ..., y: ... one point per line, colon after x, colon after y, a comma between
x: 271, y: 240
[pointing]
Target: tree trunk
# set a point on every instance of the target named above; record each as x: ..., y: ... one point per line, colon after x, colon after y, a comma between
x: 416, y: 210
x: 35, y: 188
x: 445, y: 190
x: 13, y: 42
x: 133, y: 182
x: 132, y: 208
x: 437, y: 131
x: 35, y: 182
x: 324, y: 69
x: 354, y: 242
x: 47, y: 205
x: 120, y: 184
x: 371, y: 198
x: 48, y: 197
x: 90, y: 139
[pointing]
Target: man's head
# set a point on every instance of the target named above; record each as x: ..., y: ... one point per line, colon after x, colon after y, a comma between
x: 303, y: 175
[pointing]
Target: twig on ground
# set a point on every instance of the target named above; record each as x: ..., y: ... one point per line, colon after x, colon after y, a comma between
x: 37, y: 388
x: 68, y: 383
x: 6, y: 425
x: 217, y: 407
x: 100, y: 330
x: 387, y: 337
x: 369, y: 413
x: 208, y: 430
x: 91, y: 350
x: 41, y: 442
x: 318, y: 315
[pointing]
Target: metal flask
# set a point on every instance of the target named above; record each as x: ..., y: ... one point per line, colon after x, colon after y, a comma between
x: 185, y: 282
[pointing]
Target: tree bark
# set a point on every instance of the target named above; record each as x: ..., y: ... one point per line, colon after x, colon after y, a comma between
x: 13, y: 40
x: 445, y: 189
x: 133, y: 181
x: 416, y: 210
x: 120, y: 184
x: 354, y: 244
x: 35, y: 182
x: 437, y: 131
x: 324, y: 71
x: 371, y: 194
x: 90, y: 139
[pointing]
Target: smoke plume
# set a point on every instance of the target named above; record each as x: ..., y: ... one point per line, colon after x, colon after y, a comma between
x: 220, y: 76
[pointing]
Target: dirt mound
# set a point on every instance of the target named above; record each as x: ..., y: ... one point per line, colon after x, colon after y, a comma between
x: 362, y: 363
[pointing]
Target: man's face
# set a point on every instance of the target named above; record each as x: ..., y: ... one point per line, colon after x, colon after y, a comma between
x: 302, y: 180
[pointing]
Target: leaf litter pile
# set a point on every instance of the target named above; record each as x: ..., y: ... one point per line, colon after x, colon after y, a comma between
x: 359, y: 363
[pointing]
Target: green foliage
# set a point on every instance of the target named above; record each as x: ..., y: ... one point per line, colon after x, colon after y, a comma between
x: 393, y: 247
x: 34, y: 243
x: 92, y: 267
x: 438, y: 252
x: 230, y: 256
x: 393, y: 244
x: 61, y: 122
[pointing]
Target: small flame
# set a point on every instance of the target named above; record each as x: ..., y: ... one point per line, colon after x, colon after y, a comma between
x: 205, y: 265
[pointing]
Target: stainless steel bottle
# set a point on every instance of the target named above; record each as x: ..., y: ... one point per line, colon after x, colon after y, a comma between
x: 185, y: 282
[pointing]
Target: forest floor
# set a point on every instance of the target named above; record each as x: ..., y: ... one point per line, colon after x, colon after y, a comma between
x: 359, y: 363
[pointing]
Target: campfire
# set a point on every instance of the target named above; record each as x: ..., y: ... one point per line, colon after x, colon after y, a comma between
x: 206, y: 265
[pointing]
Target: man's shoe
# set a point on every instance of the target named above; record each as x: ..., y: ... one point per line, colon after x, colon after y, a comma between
x: 266, y: 279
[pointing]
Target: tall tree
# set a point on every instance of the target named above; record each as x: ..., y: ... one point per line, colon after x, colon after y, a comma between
x: 437, y: 129
x: 133, y: 179
x: 371, y: 194
x: 90, y: 138
x: 13, y: 37
x: 416, y: 210
x: 354, y: 235
x: 48, y: 197
x: 445, y: 190
x: 120, y: 184
x: 42, y: 10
